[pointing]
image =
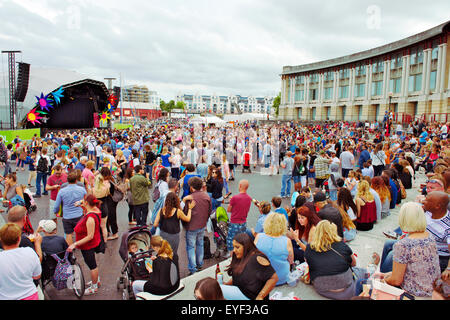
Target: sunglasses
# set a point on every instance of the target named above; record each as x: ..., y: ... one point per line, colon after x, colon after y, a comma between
x: 435, y: 181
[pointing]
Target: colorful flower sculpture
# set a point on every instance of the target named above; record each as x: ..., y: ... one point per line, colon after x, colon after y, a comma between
x: 57, y: 95
x: 34, y: 117
x: 44, y: 102
x: 104, y: 117
x: 112, y: 99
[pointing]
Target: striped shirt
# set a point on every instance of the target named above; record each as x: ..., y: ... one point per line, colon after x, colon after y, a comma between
x: 440, y: 232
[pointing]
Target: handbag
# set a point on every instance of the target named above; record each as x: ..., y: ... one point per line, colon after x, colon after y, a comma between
x: 384, y: 291
x: 402, y: 189
x: 117, y: 195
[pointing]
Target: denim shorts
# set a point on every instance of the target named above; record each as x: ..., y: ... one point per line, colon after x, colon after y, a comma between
x: 296, y: 179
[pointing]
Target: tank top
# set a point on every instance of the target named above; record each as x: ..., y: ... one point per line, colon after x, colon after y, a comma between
x: 11, y: 192
x: 170, y: 225
x: 81, y: 231
x: 275, y: 248
x: 368, y: 213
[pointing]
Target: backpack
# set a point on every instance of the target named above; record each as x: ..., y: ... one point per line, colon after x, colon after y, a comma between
x: 131, y: 164
x: 3, y: 153
x: 101, y: 248
x: 63, y: 271
x: 206, y: 248
x: 156, y: 194
x: 42, y: 165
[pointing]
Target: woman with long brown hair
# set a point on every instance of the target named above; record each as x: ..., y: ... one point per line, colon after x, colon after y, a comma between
x: 168, y: 219
x: 252, y: 275
x: 296, y: 173
x: 304, y: 230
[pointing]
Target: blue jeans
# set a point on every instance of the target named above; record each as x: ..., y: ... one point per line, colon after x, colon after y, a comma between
x: 41, y: 176
x: 286, y: 185
x: 333, y: 194
x: 194, y: 248
x: 149, y: 170
x: 387, y: 256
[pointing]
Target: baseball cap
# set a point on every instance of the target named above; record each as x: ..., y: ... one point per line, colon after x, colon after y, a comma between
x: 47, y: 225
x: 320, y: 196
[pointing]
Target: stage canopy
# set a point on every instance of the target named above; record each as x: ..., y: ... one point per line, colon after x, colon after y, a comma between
x: 79, y: 104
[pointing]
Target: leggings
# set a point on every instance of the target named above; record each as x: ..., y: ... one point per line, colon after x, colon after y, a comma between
x: 130, y: 212
x: 111, y: 223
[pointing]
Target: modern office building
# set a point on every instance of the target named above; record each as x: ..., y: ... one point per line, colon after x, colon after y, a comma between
x: 409, y: 77
x: 139, y: 102
x: 226, y: 104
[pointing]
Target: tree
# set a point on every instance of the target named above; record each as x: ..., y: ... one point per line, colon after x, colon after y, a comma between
x: 180, y: 105
x: 167, y: 107
x: 276, y: 104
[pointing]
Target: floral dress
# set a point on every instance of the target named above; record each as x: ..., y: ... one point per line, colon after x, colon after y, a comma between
x: 422, y: 265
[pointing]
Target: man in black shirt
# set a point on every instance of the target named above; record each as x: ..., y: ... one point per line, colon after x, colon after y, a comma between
x: 150, y: 159
x: 328, y: 212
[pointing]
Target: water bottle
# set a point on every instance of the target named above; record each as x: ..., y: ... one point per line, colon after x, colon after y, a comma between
x: 371, y: 268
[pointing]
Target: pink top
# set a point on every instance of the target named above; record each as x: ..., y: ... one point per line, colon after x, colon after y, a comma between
x: 88, y: 176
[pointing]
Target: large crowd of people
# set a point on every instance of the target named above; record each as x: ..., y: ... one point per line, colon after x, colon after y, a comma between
x: 339, y: 179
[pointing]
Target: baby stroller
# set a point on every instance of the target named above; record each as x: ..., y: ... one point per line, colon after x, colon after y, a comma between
x: 30, y: 204
x: 134, y: 267
x: 219, y: 220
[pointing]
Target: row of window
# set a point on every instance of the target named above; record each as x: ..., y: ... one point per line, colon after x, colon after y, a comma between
x: 416, y: 57
x: 414, y: 85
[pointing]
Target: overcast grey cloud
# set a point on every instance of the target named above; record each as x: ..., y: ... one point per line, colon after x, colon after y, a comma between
x: 222, y: 47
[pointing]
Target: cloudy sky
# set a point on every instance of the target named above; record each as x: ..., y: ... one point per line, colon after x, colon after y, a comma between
x: 206, y: 47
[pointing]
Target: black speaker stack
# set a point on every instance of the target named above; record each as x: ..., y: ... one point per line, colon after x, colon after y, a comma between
x: 23, y: 77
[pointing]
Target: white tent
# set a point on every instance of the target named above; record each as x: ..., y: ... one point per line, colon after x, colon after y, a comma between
x: 245, y: 117
x: 208, y: 120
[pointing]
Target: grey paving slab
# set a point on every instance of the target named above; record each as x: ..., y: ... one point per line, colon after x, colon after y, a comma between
x: 262, y: 187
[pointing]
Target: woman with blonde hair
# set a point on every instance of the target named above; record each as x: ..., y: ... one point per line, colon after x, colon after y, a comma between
x: 164, y: 275
x: 382, y: 189
x: 415, y: 260
x: 88, y: 176
x: 276, y: 246
x: 365, y: 204
x: 102, y: 191
x: 332, y: 265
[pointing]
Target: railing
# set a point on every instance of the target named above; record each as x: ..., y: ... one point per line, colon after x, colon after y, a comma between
x: 436, y: 117
x: 402, y: 117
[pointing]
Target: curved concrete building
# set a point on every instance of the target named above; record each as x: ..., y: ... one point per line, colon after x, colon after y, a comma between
x: 409, y: 77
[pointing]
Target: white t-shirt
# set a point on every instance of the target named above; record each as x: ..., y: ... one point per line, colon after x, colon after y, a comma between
x: 98, y: 150
x: 18, y: 267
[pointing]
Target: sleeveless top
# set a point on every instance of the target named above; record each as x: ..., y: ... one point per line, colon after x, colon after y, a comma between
x: 81, y: 231
x: 170, y: 225
x: 275, y: 248
x: 11, y: 192
x: 368, y: 213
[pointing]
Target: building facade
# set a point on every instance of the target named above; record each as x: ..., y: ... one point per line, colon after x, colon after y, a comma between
x: 226, y: 104
x: 409, y: 77
x: 139, y: 102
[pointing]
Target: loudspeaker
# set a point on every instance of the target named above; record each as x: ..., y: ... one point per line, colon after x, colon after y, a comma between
x: 116, y: 91
x: 22, y: 81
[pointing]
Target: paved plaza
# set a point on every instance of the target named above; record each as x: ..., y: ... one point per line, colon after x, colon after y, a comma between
x: 262, y: 187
